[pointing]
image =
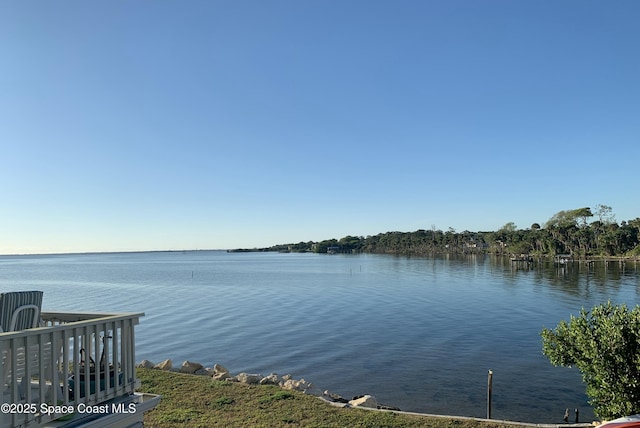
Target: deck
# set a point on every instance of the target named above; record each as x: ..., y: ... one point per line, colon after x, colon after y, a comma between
x: 77, y: 370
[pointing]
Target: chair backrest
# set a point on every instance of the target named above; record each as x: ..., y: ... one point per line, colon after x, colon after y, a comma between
x: 20, y: 310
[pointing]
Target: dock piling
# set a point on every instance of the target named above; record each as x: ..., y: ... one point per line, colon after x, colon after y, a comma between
x: 489, y: 393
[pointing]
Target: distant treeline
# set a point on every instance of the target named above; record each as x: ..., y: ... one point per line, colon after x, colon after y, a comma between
x: 567, y: 232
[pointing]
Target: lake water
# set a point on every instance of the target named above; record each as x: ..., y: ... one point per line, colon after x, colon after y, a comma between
x: 418, y: 333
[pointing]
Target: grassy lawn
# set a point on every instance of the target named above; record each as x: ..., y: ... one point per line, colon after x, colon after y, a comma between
x: 198, y: 401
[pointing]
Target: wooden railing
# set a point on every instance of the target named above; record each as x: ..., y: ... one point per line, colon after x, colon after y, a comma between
x: 75, y: 359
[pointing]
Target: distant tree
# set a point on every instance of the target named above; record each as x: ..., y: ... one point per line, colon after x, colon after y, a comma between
x: 605, y: 214
x: 570, y: 234
x: 301, y: 246
x: 321, y: 247
x: 583, y: 213
x: 561, y: 219
x: 569, y: 218
x: 350, y: 243
x: 509, y: 227
x: 565, y: 232
x: 635, y: 224
x: 604, y: 344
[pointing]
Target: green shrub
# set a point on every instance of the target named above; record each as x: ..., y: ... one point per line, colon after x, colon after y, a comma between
x: 605, y: 345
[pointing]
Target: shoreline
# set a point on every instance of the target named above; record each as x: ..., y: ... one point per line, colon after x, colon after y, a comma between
x: 546, y: 257
x: 364, y: 402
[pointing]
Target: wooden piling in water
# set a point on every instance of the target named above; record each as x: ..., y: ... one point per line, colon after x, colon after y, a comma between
x: 489, y: 393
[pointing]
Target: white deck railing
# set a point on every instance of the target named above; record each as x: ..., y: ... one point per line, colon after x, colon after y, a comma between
x: 75, y: 358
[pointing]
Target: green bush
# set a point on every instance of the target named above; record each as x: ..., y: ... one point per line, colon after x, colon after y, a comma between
x: 605, y: 345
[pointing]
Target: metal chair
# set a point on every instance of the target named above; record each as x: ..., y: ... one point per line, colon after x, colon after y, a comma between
x: 20, y: 310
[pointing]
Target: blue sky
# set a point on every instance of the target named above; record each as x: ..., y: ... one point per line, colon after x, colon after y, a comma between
x: 153, y: 125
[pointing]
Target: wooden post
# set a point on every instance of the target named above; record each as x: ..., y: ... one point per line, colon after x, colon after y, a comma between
x: 489, y: 393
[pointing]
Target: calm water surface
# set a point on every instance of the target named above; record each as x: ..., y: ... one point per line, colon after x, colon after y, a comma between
x: 418, y: 333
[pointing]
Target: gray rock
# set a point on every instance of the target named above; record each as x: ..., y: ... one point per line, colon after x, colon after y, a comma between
x: 365, y: 401
x: 334, y: 397
x: 205, y: 371
x: 296, y: 385
x: 164, y: 365
x: 220, y: 373
x: 190, y: 367
x: 222, y: 376
x: 249, y: 378
x: 272, y: 379
x: 218, y: 369
x: 145, y: 364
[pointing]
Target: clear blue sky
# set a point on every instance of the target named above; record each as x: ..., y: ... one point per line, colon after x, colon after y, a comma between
x: 150, y: 125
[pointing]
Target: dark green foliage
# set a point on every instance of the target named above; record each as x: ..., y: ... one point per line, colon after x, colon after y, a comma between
x: 323, y: 246
x: 278, y: 395
x: 222, y: 401
x: 566, y: 232
x: 604, y: 344
x: 350, y: 243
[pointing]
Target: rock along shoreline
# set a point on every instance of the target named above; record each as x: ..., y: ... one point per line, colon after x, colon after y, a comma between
x: 220, y: 373
x: 366, y: 402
